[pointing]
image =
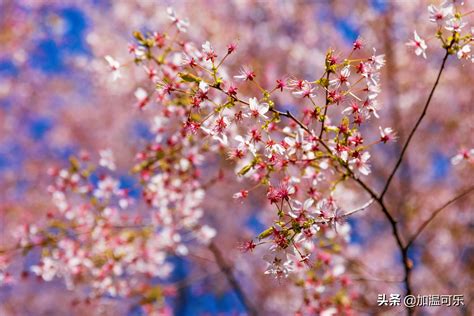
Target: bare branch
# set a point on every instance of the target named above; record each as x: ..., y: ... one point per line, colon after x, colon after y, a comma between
x: 363, y: 207
x: 410, y: 136
x: 435, y: 213
x: 227, y: 270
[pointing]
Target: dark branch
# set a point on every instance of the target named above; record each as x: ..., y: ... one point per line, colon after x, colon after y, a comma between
x: 226, y: 269
x: 435, y: 213
x: 393, y: 223
x: 410, y: 136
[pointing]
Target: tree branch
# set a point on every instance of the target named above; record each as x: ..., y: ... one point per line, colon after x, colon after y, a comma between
x: 289, y: 115
x: 326, y: 106
x: 410, y: 136
x: 363, y: 207
x: 227, y: 270
x: 393, y: 223
x: 435, y: 213
x: 379, y: 198
x: 396, y: 234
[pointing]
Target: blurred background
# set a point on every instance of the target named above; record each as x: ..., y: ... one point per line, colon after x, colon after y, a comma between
x: 57, y: 98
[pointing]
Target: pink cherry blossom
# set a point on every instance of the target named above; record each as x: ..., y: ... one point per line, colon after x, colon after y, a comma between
x: 464, y: 154
x: 419, y: 44
x: 107, y: 159
x: 387, y: 134
x: 257, y: 109
x: 114, y: 66
x: 442, y: 14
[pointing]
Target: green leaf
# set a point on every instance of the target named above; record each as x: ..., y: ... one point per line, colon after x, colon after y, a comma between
x: 245, y: 169
x: 189, y: 77
x: 266, y: 233
x: 139, y: 37
x: 154, y: 295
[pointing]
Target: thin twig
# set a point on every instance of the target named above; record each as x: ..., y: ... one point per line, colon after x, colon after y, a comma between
x: 396, y: 234
x: 393, y: 223
x: 357, y: 278
x: 363, y: 207
x: 289, y: 115
x: 325, y: 107
x: 410, y: 136
x: 226, y: 269
x: 345, y: 215
x: 379, y: 198
x: 51, y: 239
x: 435, y: 213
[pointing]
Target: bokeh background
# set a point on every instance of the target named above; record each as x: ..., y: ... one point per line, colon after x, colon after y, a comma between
x: 57, y: 98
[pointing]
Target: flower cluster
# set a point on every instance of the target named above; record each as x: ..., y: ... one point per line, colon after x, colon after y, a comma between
x: 94, y: 238
x: 451, y: 32
x: 206, y: 106
x: 295, y: 141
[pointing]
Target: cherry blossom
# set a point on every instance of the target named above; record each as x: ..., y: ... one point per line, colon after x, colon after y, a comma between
x: 465, y: 53
x: 387, y: 134
x: 442, y: 14
x: 142, y: 98
x: 455, y: 25
x: 464, y: 154
x: 181, y: 24
x: 360, y: 163
x: 257, y: 109
x: 303, y: 89
x: 245, y: 74
x: 292, y: 152
x: 114, y: 66
x: 107, y: 159
x: 279, y: 264
x: 342, y: 79
x: 419, y: 44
